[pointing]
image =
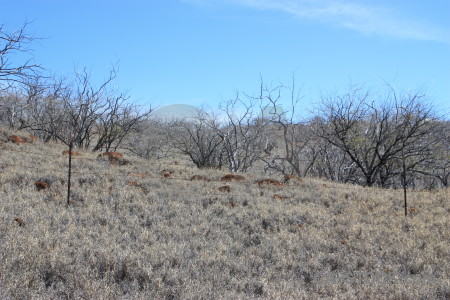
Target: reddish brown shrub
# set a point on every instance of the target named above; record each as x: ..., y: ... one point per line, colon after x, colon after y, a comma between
x: 287, y: 179
x: 232, y: 177
x: 269, y: 181
x: 74, y: 153
x: 42, y: 185
x: 225, y: 188
x: 20, y: 222
x: 16, y: 139
x: 200, y: 177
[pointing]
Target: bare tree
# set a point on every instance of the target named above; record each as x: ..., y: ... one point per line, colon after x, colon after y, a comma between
x: 199, y: 140
x: 80, y: 110
x: 374, y: 134
x: 296, y: 135
x: 436, y: 164
x: 150, y: 139
x: 42, y: 109
x: 244, y: 132
x: 84, y: 106
x: 11, y: 106
x: 117, y: 121
x: 328, y: 161
x: 12, y: 70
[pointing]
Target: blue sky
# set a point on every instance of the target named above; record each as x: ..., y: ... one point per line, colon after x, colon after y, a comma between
x: 201, y: 51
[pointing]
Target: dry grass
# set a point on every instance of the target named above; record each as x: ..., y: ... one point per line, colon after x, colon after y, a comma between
x: 172, y: 238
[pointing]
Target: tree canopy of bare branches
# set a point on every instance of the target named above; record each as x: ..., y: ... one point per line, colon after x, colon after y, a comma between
x: 199, y: 140
x: 296, y: 134
x: 76, y: 110
x: 13, y: 69
x: 243, y: 132
x: 375, y: 134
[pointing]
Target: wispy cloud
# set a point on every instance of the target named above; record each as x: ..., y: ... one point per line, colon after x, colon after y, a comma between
x: 367, y: 19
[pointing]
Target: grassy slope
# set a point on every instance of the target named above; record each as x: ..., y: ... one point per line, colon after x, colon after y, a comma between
x: 173, y: 238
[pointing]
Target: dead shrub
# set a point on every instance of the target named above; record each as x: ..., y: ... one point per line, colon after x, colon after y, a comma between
x: 232, y: 177
x: 17, y: 139
x: 41, y: 185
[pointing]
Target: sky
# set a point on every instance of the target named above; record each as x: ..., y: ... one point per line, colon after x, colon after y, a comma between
x: 201, y: 52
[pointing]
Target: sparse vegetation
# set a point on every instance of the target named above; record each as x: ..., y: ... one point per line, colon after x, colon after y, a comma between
x: 173, y: 238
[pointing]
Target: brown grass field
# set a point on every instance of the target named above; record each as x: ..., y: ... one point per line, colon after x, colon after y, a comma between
x: 132, y: 233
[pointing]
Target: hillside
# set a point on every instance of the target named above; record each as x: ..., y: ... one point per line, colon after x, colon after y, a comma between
x: 141, y: 229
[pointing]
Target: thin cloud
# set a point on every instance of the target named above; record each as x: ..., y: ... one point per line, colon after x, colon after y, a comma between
x: 369, y: 20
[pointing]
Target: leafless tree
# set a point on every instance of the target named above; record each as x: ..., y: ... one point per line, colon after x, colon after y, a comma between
x: 76, y: 110
x: 11, y: 106
x: 42, y: 110
x: 116, y: 122
x: 244, y: 132
x: 436, y: 164
x: 373, y: 133
x: 150, y: 139
x: 84, y: 106
x: 199, y: 140
x: 296, y: 134
x: 328, y: 161
x: 12, y: 68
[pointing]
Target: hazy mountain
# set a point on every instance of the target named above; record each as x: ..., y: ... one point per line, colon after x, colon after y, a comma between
x: 178, y: 112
